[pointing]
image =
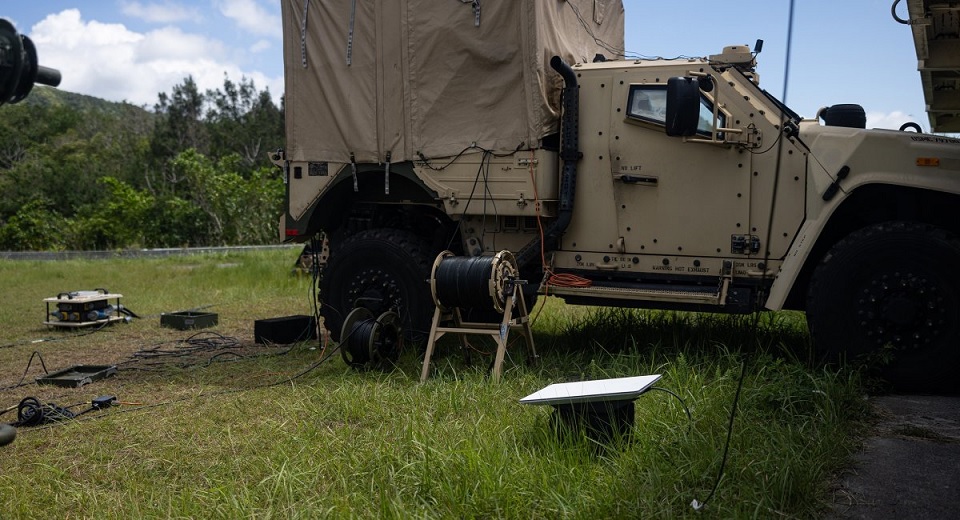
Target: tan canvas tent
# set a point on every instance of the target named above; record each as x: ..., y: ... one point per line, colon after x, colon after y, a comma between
x: 431, y: 77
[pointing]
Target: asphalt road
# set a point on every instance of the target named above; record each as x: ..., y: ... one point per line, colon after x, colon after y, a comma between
x: 909, y: 466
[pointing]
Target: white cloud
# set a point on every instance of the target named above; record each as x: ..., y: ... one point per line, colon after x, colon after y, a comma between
x: 170, y: 43
x: 251, y: 16
x: 895, y: 119
x: 261, y: 46
x: 166, y: 12
x: 112, y: 62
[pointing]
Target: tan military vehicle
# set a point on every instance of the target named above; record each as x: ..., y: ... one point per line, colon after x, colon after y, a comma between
x: 415, y: 127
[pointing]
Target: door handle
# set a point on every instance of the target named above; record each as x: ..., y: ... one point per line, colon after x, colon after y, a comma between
x: 645, y: 180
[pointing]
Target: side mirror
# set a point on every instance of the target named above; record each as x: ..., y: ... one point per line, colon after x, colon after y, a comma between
x: 683, y: 106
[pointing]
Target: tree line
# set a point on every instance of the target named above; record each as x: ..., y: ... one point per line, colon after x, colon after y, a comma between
x: 79, y: 173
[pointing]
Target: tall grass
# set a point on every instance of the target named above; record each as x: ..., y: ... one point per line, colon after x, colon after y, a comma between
x: 212, y: 440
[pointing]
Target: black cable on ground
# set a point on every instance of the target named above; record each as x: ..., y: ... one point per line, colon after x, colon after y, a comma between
x: 127, y: 312
x: 682, y: 403
x: 194, y: 309
x: 284, y: 381
x: 98, y: 328
x: 36, y: 354
x: 32, y: 412
x: 208, y: 345
x: 48, y: 415
x: 138, y: 408
x: 697, y: 505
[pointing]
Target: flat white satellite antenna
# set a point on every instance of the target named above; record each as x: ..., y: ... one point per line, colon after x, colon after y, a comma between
x: 600, y: 390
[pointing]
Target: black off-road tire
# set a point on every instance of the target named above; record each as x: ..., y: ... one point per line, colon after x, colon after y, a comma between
x: 380, y: 269
x: 889, y: 295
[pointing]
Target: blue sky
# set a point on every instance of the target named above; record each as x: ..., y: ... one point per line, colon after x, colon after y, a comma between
x: 844, y: 51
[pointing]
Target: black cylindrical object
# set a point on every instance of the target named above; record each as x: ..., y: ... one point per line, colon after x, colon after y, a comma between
x: 570, y: 154
x: 462, y: 282
x: 365, y: 341
x: 19, y: 69
x: 358, y: 342
x: 472, y: 282
x: 48, y: 76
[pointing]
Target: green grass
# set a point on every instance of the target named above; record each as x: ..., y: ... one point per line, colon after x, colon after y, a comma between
x: 211, y: 440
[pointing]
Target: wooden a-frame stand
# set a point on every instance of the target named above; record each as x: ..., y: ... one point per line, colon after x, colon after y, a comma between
x: 500, y: 332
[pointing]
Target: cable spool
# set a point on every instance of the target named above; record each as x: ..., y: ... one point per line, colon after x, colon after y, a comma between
x: 370, y: 341
x: 474, y: 282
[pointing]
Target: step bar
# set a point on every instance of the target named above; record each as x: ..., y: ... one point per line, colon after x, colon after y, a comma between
x: 707, y: 297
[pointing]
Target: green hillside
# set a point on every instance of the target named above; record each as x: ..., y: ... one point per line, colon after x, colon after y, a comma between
x: 79, y: 172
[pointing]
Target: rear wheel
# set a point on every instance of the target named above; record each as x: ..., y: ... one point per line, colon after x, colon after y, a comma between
x: 890, y: 294
x: 381, y: 270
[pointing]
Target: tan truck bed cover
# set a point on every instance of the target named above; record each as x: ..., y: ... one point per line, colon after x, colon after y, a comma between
x: 430, y: 76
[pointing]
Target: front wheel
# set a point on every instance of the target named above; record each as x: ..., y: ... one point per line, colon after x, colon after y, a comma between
x: 381, y: 270
x: 890, y: 294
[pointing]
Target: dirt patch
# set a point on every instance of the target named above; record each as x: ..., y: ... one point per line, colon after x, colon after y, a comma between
x: 155, y: 363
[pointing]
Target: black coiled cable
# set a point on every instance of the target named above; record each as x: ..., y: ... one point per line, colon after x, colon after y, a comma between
x: 464, y: 282
x: 31, y: 412
x: 358, y: 342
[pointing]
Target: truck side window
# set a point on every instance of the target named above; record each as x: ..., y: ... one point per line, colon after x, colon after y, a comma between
x: 649, y: 103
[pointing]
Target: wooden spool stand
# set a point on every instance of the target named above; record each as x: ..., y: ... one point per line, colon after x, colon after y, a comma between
x: 514, y: 317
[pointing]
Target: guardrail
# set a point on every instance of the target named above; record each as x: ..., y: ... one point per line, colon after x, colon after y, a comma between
x: 136, y: 253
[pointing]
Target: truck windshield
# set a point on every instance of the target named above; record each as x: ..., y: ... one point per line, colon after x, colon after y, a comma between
x: 787, y: 112
x: 790, y: 114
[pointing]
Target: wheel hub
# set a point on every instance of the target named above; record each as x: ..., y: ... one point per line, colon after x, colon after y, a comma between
x: 375, y: 290
x: 902, y: 309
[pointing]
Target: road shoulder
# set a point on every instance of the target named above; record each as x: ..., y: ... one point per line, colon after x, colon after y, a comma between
x: 909, y: 465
